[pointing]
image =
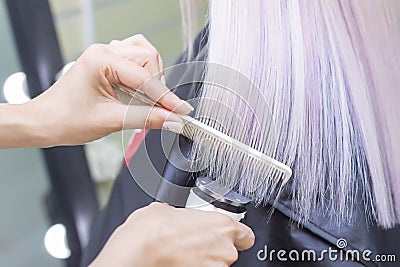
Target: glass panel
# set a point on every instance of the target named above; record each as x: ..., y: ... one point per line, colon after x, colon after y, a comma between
x: 158, y: 20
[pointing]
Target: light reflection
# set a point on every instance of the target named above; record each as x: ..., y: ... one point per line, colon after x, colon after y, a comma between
x: 14, y: 89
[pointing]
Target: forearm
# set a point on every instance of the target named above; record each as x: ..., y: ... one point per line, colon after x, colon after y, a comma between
x: 22, y: 126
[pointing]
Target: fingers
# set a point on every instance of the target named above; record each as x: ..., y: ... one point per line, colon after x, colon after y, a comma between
x: 128, y: 73
x: 140, y: 40
x: 139, y: 50
x: 244, y: 236
x: 241, y: 235
x: 157, y: 91
x: 139, y: 117
x: 143, y: 56
x: 122, y: 71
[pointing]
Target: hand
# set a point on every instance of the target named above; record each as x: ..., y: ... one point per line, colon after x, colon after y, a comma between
x: 160, y: 235
x: 82, y: 105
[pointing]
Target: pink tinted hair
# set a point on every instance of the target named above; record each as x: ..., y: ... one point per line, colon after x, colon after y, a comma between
x: 329, y: 72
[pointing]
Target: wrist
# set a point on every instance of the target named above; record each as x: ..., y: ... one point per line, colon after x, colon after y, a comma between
x: 36, y: 125
x: 21, y: 126
x: 122, y: 253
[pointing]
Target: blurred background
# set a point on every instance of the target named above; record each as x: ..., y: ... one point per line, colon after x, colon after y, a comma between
x: 27, y: 187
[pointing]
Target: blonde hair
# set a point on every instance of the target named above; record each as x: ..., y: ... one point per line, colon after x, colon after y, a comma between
x: 329, y: 73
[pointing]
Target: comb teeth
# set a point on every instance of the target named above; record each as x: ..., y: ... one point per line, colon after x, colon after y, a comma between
x: 267, y: 174
x: 264, y: 167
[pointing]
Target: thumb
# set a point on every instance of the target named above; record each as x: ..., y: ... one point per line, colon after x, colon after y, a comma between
x: 244, y: 236
x: 139, y: 117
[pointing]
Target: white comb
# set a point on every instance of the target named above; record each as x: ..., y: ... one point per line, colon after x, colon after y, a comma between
x: 195, y: 129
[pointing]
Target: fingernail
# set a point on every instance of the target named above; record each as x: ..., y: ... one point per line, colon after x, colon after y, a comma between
x: 188, y: 108
x: 173, y: 126
x: 162, y: 79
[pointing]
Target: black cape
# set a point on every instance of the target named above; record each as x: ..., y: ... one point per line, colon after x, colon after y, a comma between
x: 280, y: 232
